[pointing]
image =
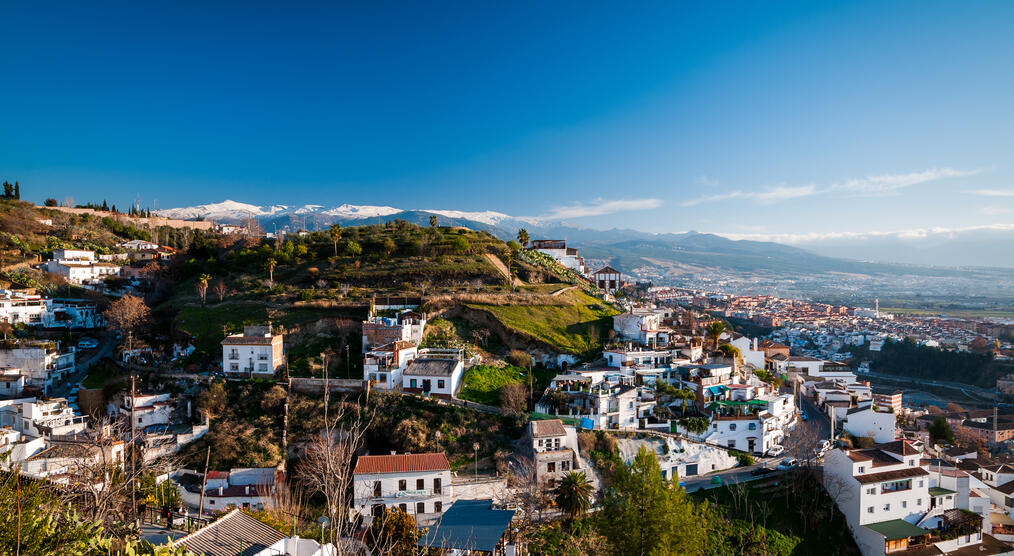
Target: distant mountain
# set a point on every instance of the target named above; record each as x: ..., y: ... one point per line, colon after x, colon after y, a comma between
x: 632, y: 251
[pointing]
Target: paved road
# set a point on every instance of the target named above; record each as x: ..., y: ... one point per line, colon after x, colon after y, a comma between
x: 83, y: 361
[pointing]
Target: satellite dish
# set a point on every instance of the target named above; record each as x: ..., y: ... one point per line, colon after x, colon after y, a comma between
x: 323, y: 521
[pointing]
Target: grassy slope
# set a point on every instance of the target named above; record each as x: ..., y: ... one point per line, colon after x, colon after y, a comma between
x: 578, y: 328
x: 206, y: 323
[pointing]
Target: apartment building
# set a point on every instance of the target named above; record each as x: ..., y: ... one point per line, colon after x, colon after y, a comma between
x: 893, y: 504
x: 418, y: 484
x: 555, y: 448
x: 42, y: 363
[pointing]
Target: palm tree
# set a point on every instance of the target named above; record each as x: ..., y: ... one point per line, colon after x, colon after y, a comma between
x: 523, y: 237
x: 714, y: 331
x: 336, y: 234
x: 271, y: 263
x: 573, y: 495
x: 202, y: 286
x: 433, y: 221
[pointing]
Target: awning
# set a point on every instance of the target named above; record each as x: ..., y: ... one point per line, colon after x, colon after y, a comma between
x: 896, y: 529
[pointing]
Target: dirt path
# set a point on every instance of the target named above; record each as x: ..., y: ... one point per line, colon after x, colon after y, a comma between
x: 496, y: 262
x: 563, y: 290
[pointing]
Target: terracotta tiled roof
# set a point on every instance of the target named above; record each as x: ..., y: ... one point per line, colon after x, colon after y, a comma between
x: 906, y: 473
x: 900, y: 447
x: 402, y: 463
x: 551, y: 427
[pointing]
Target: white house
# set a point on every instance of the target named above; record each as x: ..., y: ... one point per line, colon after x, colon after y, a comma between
x: 557, y: 248
x: 257, y: 352
x: 749, y: 351
x: 419, y: 484
x: 383, y: 365
x: 241, y: 487
x: 639, y: 325
x: 604, y: 405
x: 12, y: 382
x: 42, y: 364
x: 864, y: 420
x: 432, y: 375
x: 556, y: 450
x: 22, y: 308
x: 139, y: 245
x: 149, y: 409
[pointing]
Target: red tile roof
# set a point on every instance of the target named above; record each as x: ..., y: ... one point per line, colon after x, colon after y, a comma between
x: 402, y: 463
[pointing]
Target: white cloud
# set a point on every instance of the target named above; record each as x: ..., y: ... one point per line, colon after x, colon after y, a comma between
x: 992, y: 192
x: 997, y: 211
x: 914, y: 233
x: 599, y: 207
x: 870, y: 185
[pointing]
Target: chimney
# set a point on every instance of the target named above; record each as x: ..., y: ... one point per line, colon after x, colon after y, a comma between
x: 394, y: 452
x: 246, y: 490
x: 220, y: 491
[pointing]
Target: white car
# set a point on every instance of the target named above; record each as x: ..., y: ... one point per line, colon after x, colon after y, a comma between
x: 87, y: 343
x: 776, y: 450
x: 788, y: 463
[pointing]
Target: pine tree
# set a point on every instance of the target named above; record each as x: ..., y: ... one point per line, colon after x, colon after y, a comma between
x: 105, y: 207
x: 17, y: 191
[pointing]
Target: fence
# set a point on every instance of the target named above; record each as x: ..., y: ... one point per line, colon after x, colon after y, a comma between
x: 316, y: 385
x: 171, y: 519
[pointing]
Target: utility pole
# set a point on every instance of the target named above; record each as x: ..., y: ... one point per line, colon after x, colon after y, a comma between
x: 204, y: 482
x: 323, y: 357
x: 133, y: 449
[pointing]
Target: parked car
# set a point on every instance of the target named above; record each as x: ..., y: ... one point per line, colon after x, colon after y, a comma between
x: 762, y: 471
x: 716, y: 480
x: 803, y: 416
x: 822, y: 447
x: 776, y: 450
x: 788, y: 463
x: 87, y: 343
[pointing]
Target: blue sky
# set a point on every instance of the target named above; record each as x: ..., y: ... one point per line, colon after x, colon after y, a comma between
x: 757, y: 119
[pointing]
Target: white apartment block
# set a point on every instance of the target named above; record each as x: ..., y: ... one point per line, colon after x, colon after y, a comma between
x: 37, y: 418
x: 407, y: 326
x: 639, y: 325
x: 419, y: 484
x: 893, y: 504
x: 255, y: 352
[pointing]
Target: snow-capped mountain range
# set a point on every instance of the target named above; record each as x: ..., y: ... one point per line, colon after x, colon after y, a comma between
x: 235, y: 211
x: 973, y: 247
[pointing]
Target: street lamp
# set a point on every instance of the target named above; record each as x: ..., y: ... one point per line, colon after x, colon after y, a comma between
x: 475, y: 450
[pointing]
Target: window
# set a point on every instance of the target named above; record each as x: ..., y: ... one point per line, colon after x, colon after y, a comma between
x: 420, y: 507
x: 753, y: 426
x: 402, y: 484
x: 904, y: 503
x: 732, y: 426
x: 732, y: 443
x: 551, y: 467
x: 920, y: 484
x: 139, y: 420
x: 212, y: 502
x: 436, y: 486
x: 862, y: 469
x: 420, y: 484
x: 233, y: 366
x: 887, y: 507
x: 871, y: 490
x: 896, y: 486
x: 403, y: 507
x: 440, y: 383
x: 383, y: 377
x: 438, y: 506
x: 376, y: 488
x: 869, y: 510
x: 378, y: 510
x: 540, y: 443
x: 918, y: 501
x: 412, y: 383
x: 565, y: 466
